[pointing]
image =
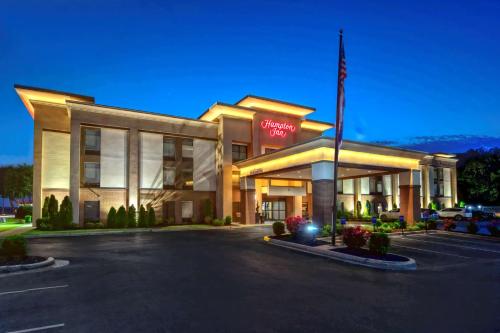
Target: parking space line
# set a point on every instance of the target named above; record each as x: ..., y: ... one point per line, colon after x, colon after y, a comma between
x: 431, y: 251
x: 452, y: 239
x: 453, y: 245
x: 41, y: 328
x: 31, y: 289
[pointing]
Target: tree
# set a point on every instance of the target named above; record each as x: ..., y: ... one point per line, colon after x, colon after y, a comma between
x: 45, y: 209
x: 151, y: 217
x: 131, y: 218
x: 16, y: 182
x: 111, y: 220
x: 66, y: 213
x: 53, y: 210
x: 479, y: 176
x: 143, y: 217
x: 121, y: 217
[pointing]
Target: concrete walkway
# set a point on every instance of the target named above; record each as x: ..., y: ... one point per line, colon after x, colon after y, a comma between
x: 16, y: 231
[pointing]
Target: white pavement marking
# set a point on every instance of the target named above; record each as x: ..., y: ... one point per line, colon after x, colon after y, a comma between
x: 431, y: 251
x: 32, y: 289
x: 454, y: 245
x: 446, y: 238
x: 41, y: 328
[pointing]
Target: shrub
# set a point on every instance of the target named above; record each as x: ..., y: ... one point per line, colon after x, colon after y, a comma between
x: 14, y: 246
x: 93, y: 225
x: 493, y: 230
x: 151, y: 217
x: 45, y: 209
x: 431, y: 225
x: 24, y: 210
x: 278, y: 228
x: 227, y: 220
x: 121, y: 218
x: 43, y: 224
x: 420, y: 225
x: 355, y: 237
x: 358, y: 208
x: 218, y: 222
x: 472, y: 228
x: 368, y: 208
x: 413, y: 228
x: 326, y: 230
x: 293, y: 224
x: 52, y: 207
x: 449, y: 225
x: 111, y: 220
x: 379, y: 243
x: 131, y: 218
x: 143, y: 217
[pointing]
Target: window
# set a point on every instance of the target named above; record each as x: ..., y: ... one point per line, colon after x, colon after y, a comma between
x: 187, y: 178
x: 340, y: 188
x: 92, y: 139
x: 91, y: 172
x: 269, y: 150
x: 169, y: 148
x: 187, y: 211
x: 239, y: 152
x: 91, y: 211
x: 187, y: 148
x: 169, y: 176
x: 438, y: 182
x: 169, y: 212
x: 376, y: 186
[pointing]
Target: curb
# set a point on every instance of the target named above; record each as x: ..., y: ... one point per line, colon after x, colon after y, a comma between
x: 14, y: 268
x: 410, y: 265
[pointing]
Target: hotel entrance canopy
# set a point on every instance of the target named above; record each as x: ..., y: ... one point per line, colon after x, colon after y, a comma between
x: 355, y: 160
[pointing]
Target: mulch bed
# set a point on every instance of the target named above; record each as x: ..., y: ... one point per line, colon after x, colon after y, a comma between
x: 364, y: 253
x: 289, y: 238
x: 20, y: 261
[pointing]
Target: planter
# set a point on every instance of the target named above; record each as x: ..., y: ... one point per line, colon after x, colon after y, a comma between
x: 29, y: 265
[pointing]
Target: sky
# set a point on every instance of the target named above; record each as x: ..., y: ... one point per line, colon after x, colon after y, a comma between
x: 416, y: 69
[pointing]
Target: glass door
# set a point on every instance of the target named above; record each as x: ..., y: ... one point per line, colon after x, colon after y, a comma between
x: 274, y: 210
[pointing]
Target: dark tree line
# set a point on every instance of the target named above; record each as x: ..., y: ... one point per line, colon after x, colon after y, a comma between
x: 16, y: 182
x: 479, y: 176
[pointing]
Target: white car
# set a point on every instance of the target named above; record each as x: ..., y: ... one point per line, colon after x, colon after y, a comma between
x: 456, y: 213
x: 390, y: 215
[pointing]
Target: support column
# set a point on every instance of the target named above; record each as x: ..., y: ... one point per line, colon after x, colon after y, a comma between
x: 297, y: 205
x: 37, y: 172
x: 454, y: 191
x: 322, y: 193
x: 224, y: 167
x: 409, y: 199
x: 425, y: 185
x: 74, y: 176
x: 247, y: 203
x: 133, y: 168
x: 357, y: 195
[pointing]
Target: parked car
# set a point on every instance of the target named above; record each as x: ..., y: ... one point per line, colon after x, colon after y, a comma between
x: 457, y: 214
x: 390, y: 215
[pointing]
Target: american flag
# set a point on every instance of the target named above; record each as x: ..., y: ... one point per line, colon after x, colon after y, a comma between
x: 342, y: 76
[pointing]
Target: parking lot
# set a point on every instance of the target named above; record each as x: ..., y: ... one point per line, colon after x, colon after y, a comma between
x: 232, y: 281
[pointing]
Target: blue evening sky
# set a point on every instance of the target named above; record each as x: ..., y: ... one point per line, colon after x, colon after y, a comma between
x: 415, y: 68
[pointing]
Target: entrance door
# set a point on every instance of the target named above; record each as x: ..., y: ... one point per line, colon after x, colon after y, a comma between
x: 274, y: 210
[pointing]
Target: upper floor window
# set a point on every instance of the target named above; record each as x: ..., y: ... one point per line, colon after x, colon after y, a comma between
x: 169, y: 148
x: 187, y: 178
x: 92, y: 139
x: 376, y: 186
x: 187, y: 148
x: 239, y: 152
x: 169, y: 176
x: 340, y: 188
x: 438, y: 182
x: 91, y: 173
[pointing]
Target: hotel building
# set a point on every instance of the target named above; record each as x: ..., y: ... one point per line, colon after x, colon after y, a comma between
x: 256, y: 155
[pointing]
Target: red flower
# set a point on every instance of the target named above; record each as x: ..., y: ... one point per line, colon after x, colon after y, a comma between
x: 355, y: 237
x: 293, y: 223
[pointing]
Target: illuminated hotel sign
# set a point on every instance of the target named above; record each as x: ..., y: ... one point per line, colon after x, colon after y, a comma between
x: 277, y: 128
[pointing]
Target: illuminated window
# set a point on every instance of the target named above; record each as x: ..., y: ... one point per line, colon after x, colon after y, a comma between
x: 92, y: 139
x: 187, y: 148
x: 239, y: 152
x: 169, y: 176
x: 340, y: 186
x: 91, y: 172
x: 187, y: 178
x: 169, y: 148
x: 376, y: 185
x: 438, y: 182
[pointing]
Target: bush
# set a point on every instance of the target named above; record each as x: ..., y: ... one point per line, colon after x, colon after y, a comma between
x: 43, y: 224
x: 278, y: 228
x: 493, y: 230
x: 449, y: 225
x: 131, y: 218
x: 143, y: 217
x: 151, y: 217
x: 24, y: 210
x: 420, y: 225
x: 227, y: 220
x: 93, y: 225
x: 355, y: 238
x: 121, y: 218
x: 379, y: 243
x: 45, y: 209
x: 472, y: 228
x: 326, y: 230
x: 358, y: 208
x: 368, y: 208
x: 65, y: 215
x: 52, y: 208
x: 111, y: 220
x: 218, y: 222
x: 414, y: 228
x: 293, y: 224
x: 14, y: 246
x: 432, y: 225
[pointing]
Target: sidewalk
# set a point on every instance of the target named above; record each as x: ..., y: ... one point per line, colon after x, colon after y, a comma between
x: 17, y: 231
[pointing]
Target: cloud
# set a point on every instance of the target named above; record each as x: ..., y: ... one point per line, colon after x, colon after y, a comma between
x: 458, y: 143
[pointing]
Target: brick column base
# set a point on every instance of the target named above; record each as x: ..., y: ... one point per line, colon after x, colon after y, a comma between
x: 322, y: 200
x: 248, y: 207
x: 409, y: 202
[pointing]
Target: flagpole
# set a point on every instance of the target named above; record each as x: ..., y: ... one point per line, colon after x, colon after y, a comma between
x: 336, y: 153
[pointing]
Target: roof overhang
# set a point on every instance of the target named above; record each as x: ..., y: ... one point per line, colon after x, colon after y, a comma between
x: 222, y: 109
x: 315, y: 125
x: 267, y: 104
x: 354, y: 154
x: 30, y: 94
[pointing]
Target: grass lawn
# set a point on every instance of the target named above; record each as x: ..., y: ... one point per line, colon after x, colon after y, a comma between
x: 12, y: 223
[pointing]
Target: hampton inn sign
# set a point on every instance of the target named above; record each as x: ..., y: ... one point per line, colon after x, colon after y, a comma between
x: 258, y: 154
